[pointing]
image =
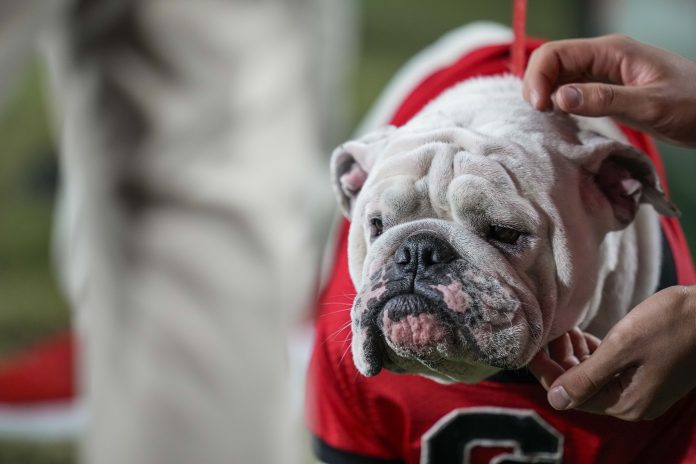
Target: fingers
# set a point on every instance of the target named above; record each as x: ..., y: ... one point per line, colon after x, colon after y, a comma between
x: 561, y: 350
x: 566, y: 60
x: 581, y: 350
x: 565, y: 352
x: 645, y: 87
x: 579, y: 371
x: 540, y: 77
x: 592, y: 342
x: 599, y: 99
x: 545, y: 369
x: 604, y: 399
x: 584, y: 381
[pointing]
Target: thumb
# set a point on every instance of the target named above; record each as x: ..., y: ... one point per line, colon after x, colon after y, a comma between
x: 591, y: 381
x: 599, y: 100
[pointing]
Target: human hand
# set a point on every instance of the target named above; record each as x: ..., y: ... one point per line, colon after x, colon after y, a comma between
x: 643, y: 86
x: 643, y: 366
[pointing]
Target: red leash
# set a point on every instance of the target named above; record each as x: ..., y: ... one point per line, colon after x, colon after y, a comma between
x: 518, y: 59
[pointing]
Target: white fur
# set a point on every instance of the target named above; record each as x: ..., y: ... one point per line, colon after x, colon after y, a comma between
x: 479, y: 154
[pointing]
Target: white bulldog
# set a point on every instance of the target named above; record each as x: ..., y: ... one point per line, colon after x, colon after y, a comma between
x: 482, y: 229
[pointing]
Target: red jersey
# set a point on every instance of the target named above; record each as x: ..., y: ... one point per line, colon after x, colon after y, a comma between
x: 397, y: 418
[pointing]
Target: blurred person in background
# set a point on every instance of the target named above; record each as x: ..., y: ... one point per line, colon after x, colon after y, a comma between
x: 186, y: 228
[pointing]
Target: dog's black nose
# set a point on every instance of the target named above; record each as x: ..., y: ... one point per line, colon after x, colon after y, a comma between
x: 422, y: 250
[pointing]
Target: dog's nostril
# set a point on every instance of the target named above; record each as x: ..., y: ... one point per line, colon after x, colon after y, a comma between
x: 428, y: 255
x: 423, y: 249
x: 437, y: 255
x: 402, y: 256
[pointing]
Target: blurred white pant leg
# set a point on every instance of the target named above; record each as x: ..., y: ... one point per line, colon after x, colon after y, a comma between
x: 189, y: 143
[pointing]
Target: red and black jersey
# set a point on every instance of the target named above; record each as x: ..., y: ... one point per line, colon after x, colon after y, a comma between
x: 397, y: 418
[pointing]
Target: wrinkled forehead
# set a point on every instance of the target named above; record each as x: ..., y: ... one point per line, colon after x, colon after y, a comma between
x: 439, y: 178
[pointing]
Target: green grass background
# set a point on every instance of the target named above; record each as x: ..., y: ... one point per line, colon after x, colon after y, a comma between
x: 31, y: 306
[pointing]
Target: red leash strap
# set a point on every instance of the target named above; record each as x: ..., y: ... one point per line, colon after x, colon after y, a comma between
x: 518, y: 60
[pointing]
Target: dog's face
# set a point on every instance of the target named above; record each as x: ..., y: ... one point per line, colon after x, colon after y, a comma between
x: 476, y: 230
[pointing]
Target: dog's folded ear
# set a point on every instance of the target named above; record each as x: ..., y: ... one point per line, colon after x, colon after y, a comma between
x: 351, y: 164
x: 627, y: 177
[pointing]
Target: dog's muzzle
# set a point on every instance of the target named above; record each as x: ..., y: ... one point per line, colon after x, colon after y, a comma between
x: 429, y: 306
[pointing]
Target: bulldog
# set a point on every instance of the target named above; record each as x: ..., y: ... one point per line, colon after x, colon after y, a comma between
x: 482, y: 229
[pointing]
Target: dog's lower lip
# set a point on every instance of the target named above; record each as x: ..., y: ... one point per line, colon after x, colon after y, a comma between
x: 374, y: 347
x: 408, y: 303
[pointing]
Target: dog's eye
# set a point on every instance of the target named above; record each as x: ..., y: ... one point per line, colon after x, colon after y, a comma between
x: 376, y: 227
x: 504, y: 234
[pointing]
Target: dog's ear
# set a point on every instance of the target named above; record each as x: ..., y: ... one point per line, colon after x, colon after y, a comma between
x: 351, y: 164
x: 626, y: 177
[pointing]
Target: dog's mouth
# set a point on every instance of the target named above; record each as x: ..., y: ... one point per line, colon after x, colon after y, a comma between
x: 409, y: 326
x: 413, y: 325
x: 418, y: 333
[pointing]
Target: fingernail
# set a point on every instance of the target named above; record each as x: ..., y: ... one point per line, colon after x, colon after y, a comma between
x: 571, y: 96
x: 558, y: 398
x: 534, y: 98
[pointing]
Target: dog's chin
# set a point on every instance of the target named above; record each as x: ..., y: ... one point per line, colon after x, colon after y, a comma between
x: 412, y: 334
x: 442, y: 370
x: 413, y: 327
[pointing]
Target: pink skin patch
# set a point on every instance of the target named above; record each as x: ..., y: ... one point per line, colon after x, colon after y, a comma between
x: 621, y: 188
x: 454, y: 296
x: 353, y: 180
x: 365, y: 297
x: 459, y: 300
x: 631, y: 187
x: 483, y: 334
x: 414, y: 332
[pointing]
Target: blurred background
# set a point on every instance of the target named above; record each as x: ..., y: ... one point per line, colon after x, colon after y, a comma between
x: 387, y: 33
